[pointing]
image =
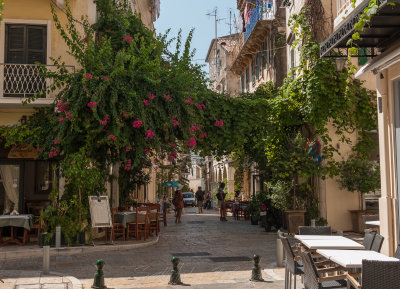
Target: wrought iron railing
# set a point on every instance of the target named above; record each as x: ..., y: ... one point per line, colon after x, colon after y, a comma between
x: 264, y: 10
x: 23, y: 80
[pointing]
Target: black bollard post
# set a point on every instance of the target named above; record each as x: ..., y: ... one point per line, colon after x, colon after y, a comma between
x: 98, y: 282
x: 256, y: 272
x: 175, y: 276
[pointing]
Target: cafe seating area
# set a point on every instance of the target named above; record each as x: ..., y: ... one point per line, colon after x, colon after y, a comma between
x: 326, y: 260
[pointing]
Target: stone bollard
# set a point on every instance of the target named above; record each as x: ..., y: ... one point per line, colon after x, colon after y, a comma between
x: 98, y: 282
x: 256, y: 272
x: 175, y: 276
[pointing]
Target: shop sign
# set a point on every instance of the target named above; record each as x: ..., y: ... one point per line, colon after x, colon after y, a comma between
x: 24, y: 151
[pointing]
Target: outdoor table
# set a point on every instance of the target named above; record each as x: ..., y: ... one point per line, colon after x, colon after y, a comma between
x: 352, y: 259
x: 373, y: 223
x: 125, y: 217
x: 14, y: 221
x: 344, y: 243
x: 318, y: 237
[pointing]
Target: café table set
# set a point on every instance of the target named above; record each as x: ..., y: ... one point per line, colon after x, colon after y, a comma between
x: 24, y: 221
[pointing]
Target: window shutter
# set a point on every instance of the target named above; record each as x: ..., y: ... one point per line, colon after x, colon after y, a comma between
x: 36, y: 39
x: 15, y: 44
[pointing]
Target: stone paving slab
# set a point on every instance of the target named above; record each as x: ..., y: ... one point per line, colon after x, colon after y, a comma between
x: 19, y: 279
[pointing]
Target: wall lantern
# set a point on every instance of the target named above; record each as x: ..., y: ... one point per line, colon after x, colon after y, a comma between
x: 340, y: 63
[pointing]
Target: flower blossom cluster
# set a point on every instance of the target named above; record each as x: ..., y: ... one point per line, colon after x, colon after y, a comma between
x: 191, y: 142
x: 127, y: 39
x: 127, y: 149
x: 111, y: 136
x: 146, y: 102
x: 194, y: 128
x: 128, y: 165
x: 172, y: 156
x: 57, y: 140
x: 151, y: 96
x: 175, y: 122
x: 85, y: 39
x: 69, y: 115
x: 172, y: 144
x: 146, y: 151
x: 219, y: 123
x: 167, y: 97
x: 149, y: 134
x: 88, y: 76
x: 203, y: 135
x: 201, y: 106
x: 54, y: 152
x: 39, y: 150
x: 61, y: 105
x: 189, y: 100
x: 105, y: 78
x: 137, y: 123
x: 105, y: 120
x: 92, y: 104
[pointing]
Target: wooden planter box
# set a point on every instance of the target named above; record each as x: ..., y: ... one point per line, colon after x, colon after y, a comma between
x: 294, y: 219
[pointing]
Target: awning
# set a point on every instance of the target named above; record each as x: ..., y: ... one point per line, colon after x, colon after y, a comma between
x: 380, y: 62
x: 381, y: 32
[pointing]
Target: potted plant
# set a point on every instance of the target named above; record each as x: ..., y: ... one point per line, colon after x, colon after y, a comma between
x: 361, y: 176
x: 254, y: 210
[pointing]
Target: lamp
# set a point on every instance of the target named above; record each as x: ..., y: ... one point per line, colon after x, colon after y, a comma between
x: 340, y: 62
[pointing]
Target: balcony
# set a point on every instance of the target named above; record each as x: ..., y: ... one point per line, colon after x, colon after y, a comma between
x: 345, y: 9
x: 264, y: 10
x: 21, y: 81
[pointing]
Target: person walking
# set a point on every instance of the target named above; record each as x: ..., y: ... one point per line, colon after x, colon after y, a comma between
x: 178, y: 203
x: 221, y: 202
x: 200, y: 198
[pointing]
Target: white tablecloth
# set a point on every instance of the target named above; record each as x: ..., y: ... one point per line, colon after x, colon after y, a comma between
x: 344, y: 243
x: 318, y: 237
x: 353, y: 258
x: 373, y: 223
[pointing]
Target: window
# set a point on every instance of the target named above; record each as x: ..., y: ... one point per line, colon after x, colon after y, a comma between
x: 242, y: 81
x: 253, y: 72
x: 24, y: 44
x: 271, y: 50
x: 197, y: 172
x: 257, y: 65
x: 362, y: 60
x: 264, y: 54
x: 247, y: 80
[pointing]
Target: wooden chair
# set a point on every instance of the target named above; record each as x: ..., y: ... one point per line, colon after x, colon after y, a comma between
x: 154, y: 224
x: 141, y: 225
x: 163, y: 213
x: 117, y: 228
x: 36, y: 227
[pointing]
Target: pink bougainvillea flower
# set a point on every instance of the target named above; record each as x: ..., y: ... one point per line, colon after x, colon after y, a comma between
x: 39, y: 149
x: 105, y: 78
x: 175, y: 122
x: 69, y: 115
x: 60, y: 119
x: 167, y: 97
x: 127, y: 39
x: 92, y: 104
x: 189, y: 100
x: 61, y: 106
x: 203, y: 135
x: 149, y: 134
x: 57, y: 140
x: 88, y: 76
x: 191, y: 142
x: 194, y: 128
x: 219, y: 123
x: 111, y: 136
x: 137, y: 123
x: 127, y: 149
x: 146, y: 151
x: 128, y: 165
x: 200, y: 106
x: 85, y: 39
x: 172, y: 156
x: 151, y: 96
x: 146, y: 102
x: 172, y: 144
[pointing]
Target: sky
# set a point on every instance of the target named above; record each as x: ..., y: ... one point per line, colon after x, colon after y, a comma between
x: 188, y: 14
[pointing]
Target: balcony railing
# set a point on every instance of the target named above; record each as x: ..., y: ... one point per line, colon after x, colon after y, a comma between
x: 23, y: 80
x: 264, y: 10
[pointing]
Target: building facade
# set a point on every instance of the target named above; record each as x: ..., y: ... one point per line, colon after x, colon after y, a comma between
x: 379, y: 41
x: 27, y: 36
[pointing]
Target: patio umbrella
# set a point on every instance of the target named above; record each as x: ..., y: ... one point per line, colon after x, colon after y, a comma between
x: 170, y: 184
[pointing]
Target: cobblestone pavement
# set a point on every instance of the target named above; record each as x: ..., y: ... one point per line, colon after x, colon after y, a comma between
x: 211, y: 252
